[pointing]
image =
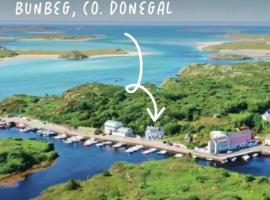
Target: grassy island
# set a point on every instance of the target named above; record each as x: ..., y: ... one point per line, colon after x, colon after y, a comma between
x: 243, y: 42
x: 60, y: 37
x: 19, y: 157
x: 229, y: 57
x: 73, y: 55
x: 172, y: 179
x: 237, y: 93
x: 4, y: 53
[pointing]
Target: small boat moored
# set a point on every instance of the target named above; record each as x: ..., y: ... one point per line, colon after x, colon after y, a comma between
x: 162, y: 152
x: 246, y: 157
x: 152, y: 150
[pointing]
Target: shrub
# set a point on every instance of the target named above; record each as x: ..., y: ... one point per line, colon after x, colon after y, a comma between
x: 72, y: 185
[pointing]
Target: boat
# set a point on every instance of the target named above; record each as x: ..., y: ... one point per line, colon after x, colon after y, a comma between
x: 224, y: 161
x: 178, y: 155
x: 100, y: 144
x: 233, y: 159
x: 25, y: 130
x: 118, y: 145
x: 149, y: 151
x: 107, y: 143
x: 63, y: 136
x: 134, y: 149
x: 48, y: 133
x: 255, y: 155
x: 162, y: 152
x: 68, y: 141
x: 246, y: 157
x: 90, y: 142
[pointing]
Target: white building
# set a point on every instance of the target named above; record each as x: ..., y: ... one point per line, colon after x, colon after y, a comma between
x: 123, y: 132
x: 267, y: 140
x: 218, y: 145
x: 154, y: 133
x: 111, y: 126
x: 266, y: 116
x: 217, y: 134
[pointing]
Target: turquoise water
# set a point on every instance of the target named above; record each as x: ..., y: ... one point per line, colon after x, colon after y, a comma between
x: 171, y: 48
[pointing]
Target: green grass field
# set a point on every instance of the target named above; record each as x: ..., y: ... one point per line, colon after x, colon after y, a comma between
x: 18, y: 155
x: 171, y: 179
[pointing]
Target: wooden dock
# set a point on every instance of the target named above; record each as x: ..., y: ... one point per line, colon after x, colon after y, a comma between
x: 61, y: 129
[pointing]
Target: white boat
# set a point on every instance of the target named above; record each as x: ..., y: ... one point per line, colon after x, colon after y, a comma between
x: 233, y: 159
x: 63, y: 136
x: 134, y: 149
x: 162, y: 152
x: 69, y: 141
x: 118, y: 145
x: 246, y: 157
x: 178, y: 155
x: 107, y: 143
x: 89, y: 142
x: 25, y: 130
x: 100, y: 144
x: 255, y: 155
x: 152, y: 150
x: 224, y: 161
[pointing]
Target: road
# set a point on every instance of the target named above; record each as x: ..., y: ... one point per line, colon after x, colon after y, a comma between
x: 62, y: 129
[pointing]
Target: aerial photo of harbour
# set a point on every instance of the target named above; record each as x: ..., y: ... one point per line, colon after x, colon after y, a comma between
x: 135, y: 111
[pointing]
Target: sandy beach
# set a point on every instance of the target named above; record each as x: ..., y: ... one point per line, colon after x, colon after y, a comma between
x: 50, y: 56
x: 202, y: 45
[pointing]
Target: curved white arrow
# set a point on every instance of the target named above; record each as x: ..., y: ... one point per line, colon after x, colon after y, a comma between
x: 132, y: 88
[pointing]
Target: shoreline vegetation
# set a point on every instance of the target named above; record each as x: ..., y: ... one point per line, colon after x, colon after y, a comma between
x: 53, y: 37
x: 170, y: 179
x: 254, y: 46
x: 193, y: 100
x: 20, y: 158
x: 6, y: 55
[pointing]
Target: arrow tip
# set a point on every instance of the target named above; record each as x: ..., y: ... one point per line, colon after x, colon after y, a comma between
x: 155, y: 116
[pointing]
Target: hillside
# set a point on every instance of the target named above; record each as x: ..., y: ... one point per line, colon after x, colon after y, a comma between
x: 236, y: 93
x: 171, y: 179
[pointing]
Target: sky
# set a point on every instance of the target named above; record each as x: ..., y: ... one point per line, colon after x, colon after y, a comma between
x: 184, y: 11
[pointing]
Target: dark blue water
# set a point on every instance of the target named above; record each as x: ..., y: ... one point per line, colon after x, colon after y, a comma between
x: 75, y: 162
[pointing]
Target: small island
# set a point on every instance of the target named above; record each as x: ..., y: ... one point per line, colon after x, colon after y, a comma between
x: 170, y: 179
x: 59, y: 37
x: 73, y: 55
x: 229, y: 57
x: 19, y: 158
x: 4, y: 52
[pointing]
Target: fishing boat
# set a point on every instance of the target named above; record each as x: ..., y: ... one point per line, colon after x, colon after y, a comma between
x: 90, y: 142
x: 118, y: 145
x: 152, y: 150
x: 224, y: 161
x: 107, y: 143
x: 255, y: 155
x: 63, y: 136
x: 246, y: 157
x: 162, y: 152
x: 68, y: 141
x: 233, y: 159
x: 101, y: 144
x: 25, y: 130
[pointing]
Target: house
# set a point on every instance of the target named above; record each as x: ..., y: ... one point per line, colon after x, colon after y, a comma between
x: 266, y: 116
x: 154, y: 133
x: 222, y: 141
x: 218, y: 145
x: 267, y: 140
x: 123, y: 132
x: 111, y: 126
